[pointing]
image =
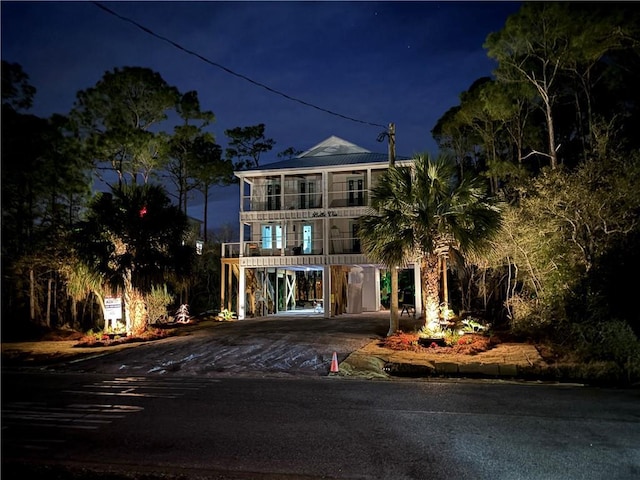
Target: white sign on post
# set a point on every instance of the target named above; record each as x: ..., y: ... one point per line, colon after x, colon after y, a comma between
x: 113, y: 308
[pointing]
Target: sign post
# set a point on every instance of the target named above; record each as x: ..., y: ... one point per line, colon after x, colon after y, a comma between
x: 113, y: 310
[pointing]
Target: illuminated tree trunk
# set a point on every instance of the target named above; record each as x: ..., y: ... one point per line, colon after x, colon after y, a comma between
x: 430, y: 289
x: 445, y: 283
x: 138, y: 313
x: 128, y: 300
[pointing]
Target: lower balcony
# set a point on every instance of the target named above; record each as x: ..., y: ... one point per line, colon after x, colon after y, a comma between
x: 294, y: 256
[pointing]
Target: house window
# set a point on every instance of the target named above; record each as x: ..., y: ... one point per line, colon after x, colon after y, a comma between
x: 306, y: 194
x: 302, y: 194
x: 271, y: 236
x: 273, y: 195
x: 355, y: 241
x: 355, y: 192
x: 307, y: 239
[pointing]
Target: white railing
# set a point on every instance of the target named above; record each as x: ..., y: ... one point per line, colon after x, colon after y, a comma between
x: 230, y: 250
x: 297, y: 201
x: 337, y: 245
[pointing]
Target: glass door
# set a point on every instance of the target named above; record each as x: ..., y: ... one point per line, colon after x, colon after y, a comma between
x: 307, y: 239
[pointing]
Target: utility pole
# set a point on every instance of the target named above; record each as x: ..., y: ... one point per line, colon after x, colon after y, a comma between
x: 392, y: 144
x: 394, y: 321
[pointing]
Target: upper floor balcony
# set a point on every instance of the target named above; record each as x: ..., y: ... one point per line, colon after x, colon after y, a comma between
x: 326, y: 190
x: 298, y: 201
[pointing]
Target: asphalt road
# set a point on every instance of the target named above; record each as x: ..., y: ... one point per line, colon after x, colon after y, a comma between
x: 72, y: 425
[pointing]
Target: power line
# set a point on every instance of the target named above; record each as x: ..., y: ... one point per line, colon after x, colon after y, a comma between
x: 222, y: 67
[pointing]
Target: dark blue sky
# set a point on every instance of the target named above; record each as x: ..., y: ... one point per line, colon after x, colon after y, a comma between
x: 377, y: 62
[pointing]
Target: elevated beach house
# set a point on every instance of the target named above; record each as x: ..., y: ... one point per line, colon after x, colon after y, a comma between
x: 299, y: 248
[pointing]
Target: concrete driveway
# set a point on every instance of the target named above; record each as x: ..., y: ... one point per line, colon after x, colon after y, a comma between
x: 291, y: 344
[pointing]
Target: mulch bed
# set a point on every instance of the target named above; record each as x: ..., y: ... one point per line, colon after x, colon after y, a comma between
x: 469, y: 344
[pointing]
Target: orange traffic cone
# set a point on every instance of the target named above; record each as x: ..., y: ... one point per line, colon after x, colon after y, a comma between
x: 334, y: 363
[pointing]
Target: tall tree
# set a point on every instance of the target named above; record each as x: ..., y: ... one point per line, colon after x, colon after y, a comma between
x: 603, y: 68
x: 247, y: 144
x: 182, y: 144
x: 455, y: 137
x: 532, y: 48
x: 43, y: 186
x: 119, y: 119
x: 17, y: 92
x: 423, y: 211
x: 209, y: 169
x: 563, y: 50
x: 496, y: 116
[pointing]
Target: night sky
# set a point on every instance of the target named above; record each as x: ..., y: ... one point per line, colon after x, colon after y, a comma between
x: 373, y: 62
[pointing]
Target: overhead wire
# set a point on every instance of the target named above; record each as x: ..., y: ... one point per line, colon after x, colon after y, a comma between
x: 228, y: 70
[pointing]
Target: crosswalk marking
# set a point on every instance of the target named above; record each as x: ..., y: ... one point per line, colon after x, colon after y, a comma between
x: 87, y: 417
x: 38, y: 417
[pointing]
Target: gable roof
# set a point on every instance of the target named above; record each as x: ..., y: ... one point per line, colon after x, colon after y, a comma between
x: 333, y: 146
x: 332, y: 152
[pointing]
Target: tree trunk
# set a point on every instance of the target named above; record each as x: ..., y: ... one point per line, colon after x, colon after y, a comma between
x: 430, y: 289
x: 74, y: 313
x: 48, y: 314
x: 128, y: 299
x: 32, y: 295
x: 394, y: 320
x: 445, y: 283
x: 552, y: 140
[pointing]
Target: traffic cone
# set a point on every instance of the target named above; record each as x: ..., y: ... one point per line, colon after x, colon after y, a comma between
x: 334, y: 363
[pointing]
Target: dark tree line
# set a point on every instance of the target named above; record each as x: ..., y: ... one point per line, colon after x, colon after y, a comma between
x: 65, y: 248
x: 554, y: 132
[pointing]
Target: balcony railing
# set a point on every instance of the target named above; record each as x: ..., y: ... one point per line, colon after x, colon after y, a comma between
x: 308, y: 201
x: 345, y: 245
x: 230, y: 250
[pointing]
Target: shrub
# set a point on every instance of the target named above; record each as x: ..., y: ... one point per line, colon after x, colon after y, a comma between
x: 157, y: 301
x: 613, y: 340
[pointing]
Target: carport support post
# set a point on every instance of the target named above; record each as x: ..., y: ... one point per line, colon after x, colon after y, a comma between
x: 417, y: 288
x: 241, y: 294
x: 326, y: 291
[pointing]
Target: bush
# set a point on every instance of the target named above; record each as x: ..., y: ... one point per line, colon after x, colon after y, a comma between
x: 607, y: 341
x: 157, y: 301
x: 528, y: 318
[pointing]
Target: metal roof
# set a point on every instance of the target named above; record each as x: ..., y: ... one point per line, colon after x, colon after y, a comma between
x: 332, y: 152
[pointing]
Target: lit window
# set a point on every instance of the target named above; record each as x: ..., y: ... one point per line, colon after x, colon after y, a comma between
x: 307, y: 239
x: 266, y: 236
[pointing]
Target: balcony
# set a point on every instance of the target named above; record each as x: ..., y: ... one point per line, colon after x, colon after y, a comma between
x: 341, y: 251
x: 340, y: 198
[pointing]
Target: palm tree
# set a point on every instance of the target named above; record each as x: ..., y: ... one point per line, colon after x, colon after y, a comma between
x: 134, y: 238
x: 423, y: 211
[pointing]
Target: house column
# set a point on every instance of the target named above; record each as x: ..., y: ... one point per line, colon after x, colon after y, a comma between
x: 283, y: 237
x: 417, y: 288
x: 326, y: 291
x: 325, y: 220
x: 241, y: 293
x: 223, y: 276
